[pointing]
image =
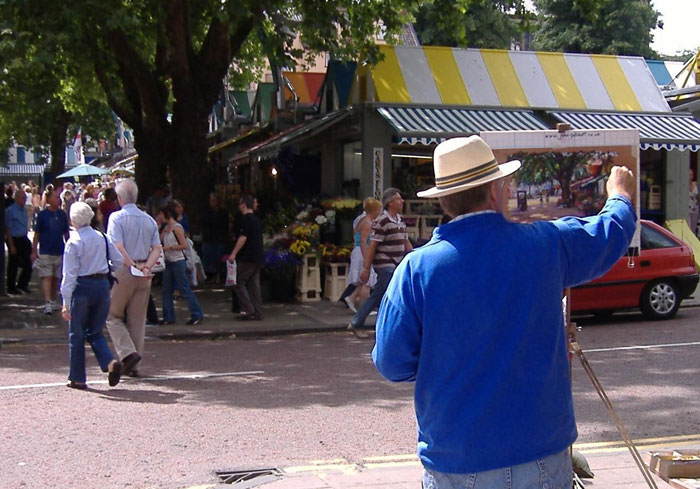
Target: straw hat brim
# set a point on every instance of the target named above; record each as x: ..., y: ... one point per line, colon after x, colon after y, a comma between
x: 504, y: 170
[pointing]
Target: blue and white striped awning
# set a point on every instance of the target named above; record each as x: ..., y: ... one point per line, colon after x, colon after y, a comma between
x: 656, y: 131
x: 21, y: 170
x: 431, y: 125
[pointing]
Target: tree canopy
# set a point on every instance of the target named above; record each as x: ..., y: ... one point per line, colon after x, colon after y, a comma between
x: 621, y: 27
x: 40, y: 99
x: 470, y: 23
x: 160, y: 65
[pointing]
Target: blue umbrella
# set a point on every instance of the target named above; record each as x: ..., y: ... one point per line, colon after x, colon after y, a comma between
x: 83, y: 170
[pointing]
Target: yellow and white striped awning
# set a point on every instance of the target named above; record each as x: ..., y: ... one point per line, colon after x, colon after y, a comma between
x: 513, y: 79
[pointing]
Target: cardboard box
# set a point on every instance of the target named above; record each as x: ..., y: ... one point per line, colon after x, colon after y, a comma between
x: 676, y: 464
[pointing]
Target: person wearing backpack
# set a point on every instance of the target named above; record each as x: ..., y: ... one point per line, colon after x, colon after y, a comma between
x: 174, y: 242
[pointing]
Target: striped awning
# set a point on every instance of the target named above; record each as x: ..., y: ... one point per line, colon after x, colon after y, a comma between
x: 21, y: 170
x: 430, y: 125
x: 509, y: 79
x: 656, y: 131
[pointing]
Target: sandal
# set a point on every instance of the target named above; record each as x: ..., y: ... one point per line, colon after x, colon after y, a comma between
x: 77, y: 385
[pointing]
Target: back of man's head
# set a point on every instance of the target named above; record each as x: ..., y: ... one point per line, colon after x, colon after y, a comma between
x: 249, y: 201
x: 127, y: 191
x: 466, y: 201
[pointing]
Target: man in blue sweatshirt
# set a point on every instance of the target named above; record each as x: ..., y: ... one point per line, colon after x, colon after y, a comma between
x: 474, y: 318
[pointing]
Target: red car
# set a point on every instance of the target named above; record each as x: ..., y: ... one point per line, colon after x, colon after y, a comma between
x: 662, y: 276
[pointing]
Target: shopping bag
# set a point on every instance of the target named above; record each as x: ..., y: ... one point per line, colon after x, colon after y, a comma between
x: 159, y: 266
x: 230, y: 273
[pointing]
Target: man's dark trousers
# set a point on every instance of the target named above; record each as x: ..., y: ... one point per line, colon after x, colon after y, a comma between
x: 21, y: 259
x: 248, y: 287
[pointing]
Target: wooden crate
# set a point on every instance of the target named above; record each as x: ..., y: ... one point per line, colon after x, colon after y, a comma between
x: 336, y: 280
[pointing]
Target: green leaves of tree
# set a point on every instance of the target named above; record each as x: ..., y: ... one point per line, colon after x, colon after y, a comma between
x: 621, y: 27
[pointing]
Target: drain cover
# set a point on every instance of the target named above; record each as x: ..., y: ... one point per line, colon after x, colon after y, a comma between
x: 245, y: 478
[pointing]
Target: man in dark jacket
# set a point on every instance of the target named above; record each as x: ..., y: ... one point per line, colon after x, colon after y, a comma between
x: 249, y: 258
x: 215, y: 233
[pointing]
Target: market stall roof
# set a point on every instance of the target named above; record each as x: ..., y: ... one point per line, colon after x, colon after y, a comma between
x: 270, y: 147
x: 664, y: 71
x: 223, y: 144
x: 656, y: 131
x: 514, y: 79
x: 306, y: 85
x: 431, y: 125
x: 244, y: 100
x: 21, y: 170
x: 262, y: 104
x: 340, y: 75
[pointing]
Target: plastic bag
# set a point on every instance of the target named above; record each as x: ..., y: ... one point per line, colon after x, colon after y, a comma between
x: 230, y: 273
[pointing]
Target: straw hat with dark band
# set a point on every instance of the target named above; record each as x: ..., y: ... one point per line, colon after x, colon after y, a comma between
x: 464, y: 163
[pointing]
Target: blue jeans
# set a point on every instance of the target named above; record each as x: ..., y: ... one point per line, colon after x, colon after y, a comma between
x: 375, y: 298
x: 552, y: 472
x: 176, y: 273
x: 89, y: 308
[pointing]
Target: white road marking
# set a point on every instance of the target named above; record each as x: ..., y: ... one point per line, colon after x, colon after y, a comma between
x: 643, y: 347
x: 140, y: 379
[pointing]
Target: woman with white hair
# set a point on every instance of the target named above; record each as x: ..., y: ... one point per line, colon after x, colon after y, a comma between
x: 85, y: 289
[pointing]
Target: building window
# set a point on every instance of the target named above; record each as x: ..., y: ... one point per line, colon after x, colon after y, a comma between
x: 20, y: 155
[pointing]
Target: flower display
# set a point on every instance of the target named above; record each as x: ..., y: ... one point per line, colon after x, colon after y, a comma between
x: 334, y: 253
x: 300, y: 247
x: 321, y: 220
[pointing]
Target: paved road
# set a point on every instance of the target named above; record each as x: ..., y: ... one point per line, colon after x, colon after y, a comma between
x: 290, y: 400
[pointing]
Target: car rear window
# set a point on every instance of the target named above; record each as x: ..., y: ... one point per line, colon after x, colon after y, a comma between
x: 653, y: 239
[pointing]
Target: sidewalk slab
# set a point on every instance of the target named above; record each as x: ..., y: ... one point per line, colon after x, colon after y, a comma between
x: 22, y: 319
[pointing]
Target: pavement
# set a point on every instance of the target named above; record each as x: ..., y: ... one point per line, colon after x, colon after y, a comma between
x: 22, y: 322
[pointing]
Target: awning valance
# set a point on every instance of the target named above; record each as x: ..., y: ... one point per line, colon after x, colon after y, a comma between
x: 656, y: 131
x: 429, y: 125
x: 21, y: 170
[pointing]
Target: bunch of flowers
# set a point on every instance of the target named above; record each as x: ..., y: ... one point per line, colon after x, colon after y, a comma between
x: 343, y: 207
x: 313, y: 214
x: 300, y: 247
x: 279, y: 258
x: 335, y: 253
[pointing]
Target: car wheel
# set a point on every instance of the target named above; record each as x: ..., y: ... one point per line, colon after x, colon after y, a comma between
x: 660, y: 300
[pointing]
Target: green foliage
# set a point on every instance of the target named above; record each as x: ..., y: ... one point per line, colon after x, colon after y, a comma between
x: 621, y: 27
x: 470, y: 23
x: 42, y: 93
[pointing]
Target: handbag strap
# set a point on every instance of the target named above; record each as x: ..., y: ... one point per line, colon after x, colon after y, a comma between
x: 109, y: 268
x: 178, y: 239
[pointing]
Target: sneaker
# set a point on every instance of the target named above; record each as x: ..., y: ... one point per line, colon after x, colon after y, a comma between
x: 350, y: 305
x: 25, y: 290
x: 194, y: 322
x: 55, y: 306
x: 14, y: 292
x: 48, y: 310
x: 373, y: 313
x: 357, y: 332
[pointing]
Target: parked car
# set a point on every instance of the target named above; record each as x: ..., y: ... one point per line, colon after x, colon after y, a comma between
x: 656, y: 281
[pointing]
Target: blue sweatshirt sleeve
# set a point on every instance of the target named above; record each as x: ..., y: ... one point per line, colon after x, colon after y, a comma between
x: 399, y: 329
x: 592, y: 245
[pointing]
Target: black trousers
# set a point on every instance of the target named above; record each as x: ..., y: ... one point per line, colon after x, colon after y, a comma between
x: 21, y: 259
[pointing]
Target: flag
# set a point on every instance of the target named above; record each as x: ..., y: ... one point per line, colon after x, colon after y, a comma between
x: 78, y: 148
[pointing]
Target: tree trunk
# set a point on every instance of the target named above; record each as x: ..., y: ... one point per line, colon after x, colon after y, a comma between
x: 58, y: 144
x: 189, y: 167
x: 151, y: 166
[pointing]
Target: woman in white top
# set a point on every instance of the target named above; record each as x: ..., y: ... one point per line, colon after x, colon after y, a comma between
x: 362, y: 226
x: 174, y: 244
